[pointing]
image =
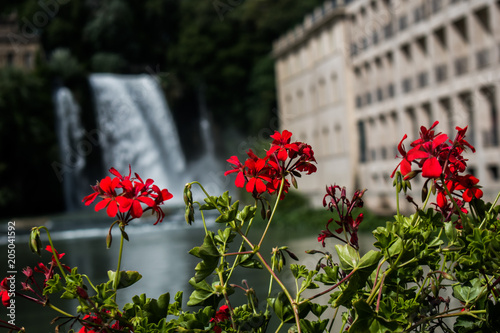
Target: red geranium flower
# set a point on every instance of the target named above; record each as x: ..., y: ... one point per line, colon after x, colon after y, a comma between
x: 284, y: 159
x: 468, y: 183
x: 125, y: 196
x: 221, y: 315
x: 4, y: 292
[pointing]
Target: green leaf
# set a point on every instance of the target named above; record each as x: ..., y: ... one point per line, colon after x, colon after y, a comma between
x: 176, y: 307
x: 229, y: 215
x: 331, y: 276
x: 210, y: 255
x: 360, y: 275
x: 53, y: 285
x: 204, y: 294
x: 156, y: 310
x: 248, y: 262
x: 468, y: 293
x: 368, y: 321
x: 348, y: 257
x: 126, y: 279
x: 299, y: 271
x: 73, y: 280
x: 209, y: 203
x: 370, y: 260
x: 313, y: 326
x: 246, y: 214
x: 283, y: 309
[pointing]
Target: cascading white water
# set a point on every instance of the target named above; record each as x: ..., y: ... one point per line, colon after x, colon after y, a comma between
x: 136, y: 128
x: 70, y: 134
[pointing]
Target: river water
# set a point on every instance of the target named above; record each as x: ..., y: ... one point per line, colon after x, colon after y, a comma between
x: 159, y: 253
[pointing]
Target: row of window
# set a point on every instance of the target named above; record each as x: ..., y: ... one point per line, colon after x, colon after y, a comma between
x: 373, y: 146
x: 388, y: 30
x: 421, y: 80
x: 10, y: 59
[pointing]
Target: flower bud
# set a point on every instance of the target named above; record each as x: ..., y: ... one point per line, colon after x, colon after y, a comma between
x: 35, y: 242
x: 189, y: 214
x: 188, y: 195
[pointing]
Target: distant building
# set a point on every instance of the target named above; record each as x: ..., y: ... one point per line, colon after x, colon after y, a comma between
x: 16, y: 48
x: 356, y: 76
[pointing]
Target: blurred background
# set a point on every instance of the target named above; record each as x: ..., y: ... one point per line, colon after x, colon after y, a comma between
x: 173, y: 88
x: 211, y: 59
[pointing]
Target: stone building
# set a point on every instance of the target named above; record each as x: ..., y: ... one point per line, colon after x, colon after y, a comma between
x: 17, y: 48
x: 357, y: 75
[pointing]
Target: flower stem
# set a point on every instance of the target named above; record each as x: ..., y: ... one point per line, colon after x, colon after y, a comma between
x: 331, y: 288
x: 53, y: 307
x: 117, y: 275
x: 285, y: 290
x: 490, y: 210
x: 274, y: 210
x: 208, y: 196
x: 54, y: 254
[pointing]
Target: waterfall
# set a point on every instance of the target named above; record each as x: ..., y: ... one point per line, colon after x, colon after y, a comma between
x: 70, y: 134
x: 136, y: 128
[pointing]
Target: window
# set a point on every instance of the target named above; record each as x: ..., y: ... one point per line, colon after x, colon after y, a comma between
x: 10, y: 59
x: 460, y: 26
x: 483, y: 18
x: 441, y: 73
x: 354, y: 49
x: 28, y: 60
x: 362, y: 142
x: 436, y: 6
x: 440, y: 35
x: 483, y: 58
x: 388, y: 30
x: 406, y: 50
x: 406, y: 85
x: 493, y: 169
x: 380, y: 94
x: 375, y: 38
x: 403, y: 22
x: 422, y: 44
x: 423, y: 79
x: 460, y: 66
x: 391, y: 91
x: 359, y: 102
x: 364, y: 43
x: 419, y: 13
x: 368, y: 98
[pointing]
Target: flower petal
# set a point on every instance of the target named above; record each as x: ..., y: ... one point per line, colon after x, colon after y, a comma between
x: 431, y: 168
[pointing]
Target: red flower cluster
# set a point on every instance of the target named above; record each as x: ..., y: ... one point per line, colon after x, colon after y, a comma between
x: 30, y: 285
x: 265, y: 174
x: 440, y: 159
x: 93, y: 323
x: 344, y: 209
x: 221, y: 315
x: 125, y: 196
x: 4, y: 292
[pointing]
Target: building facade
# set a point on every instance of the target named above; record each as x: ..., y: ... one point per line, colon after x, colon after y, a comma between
x: 17, y: 49
x: 399, y: 64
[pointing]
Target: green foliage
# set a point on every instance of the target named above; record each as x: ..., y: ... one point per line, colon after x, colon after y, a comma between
x: 420, y: 267
x: 106, y: 62
x: 64, y: 65
x: 28, y: 144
